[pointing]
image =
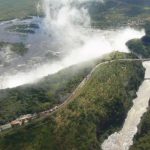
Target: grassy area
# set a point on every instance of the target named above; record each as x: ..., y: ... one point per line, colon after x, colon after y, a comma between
x: 116, y: 13
x: 98, y: 110
x: 50, y: 91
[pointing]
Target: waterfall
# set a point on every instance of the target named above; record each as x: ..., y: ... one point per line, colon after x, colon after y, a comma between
x: 66, y: 29
x: 123, y: 139
x: 65, y: 18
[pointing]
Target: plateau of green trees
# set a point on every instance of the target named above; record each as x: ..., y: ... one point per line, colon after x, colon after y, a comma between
x: 48, y: 92
x: 94, y: 113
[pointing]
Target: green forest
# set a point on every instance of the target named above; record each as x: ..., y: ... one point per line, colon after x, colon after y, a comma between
x: 111, y: 13
x: 45, y: 94
x: 98, y: 110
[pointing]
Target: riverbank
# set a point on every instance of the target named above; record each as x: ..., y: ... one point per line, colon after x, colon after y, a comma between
x: 123, y: 139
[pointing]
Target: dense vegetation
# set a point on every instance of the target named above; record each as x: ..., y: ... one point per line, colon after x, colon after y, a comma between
x: 18, y: 48
x: 95, y: 112
x: 115, y: 13
x: 141, y: 46
x: 142, y: 139
x: 50, y: 91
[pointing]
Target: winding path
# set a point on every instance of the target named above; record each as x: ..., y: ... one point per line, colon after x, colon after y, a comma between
x: 79, y: 87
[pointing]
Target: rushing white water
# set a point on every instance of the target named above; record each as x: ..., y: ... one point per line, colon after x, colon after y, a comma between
x: 68, y: 25
x: 124, y: 138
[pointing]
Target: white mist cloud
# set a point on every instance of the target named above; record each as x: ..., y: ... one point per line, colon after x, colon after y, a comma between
x: 66, y: 23
x: 96, y: 44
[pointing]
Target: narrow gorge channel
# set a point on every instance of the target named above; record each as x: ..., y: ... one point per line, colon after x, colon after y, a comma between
x: 123, y: 139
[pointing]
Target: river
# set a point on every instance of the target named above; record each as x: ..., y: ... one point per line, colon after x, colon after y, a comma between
x: 123, y: 139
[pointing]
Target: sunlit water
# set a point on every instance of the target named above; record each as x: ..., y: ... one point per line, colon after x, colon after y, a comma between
x: 123, y: 139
